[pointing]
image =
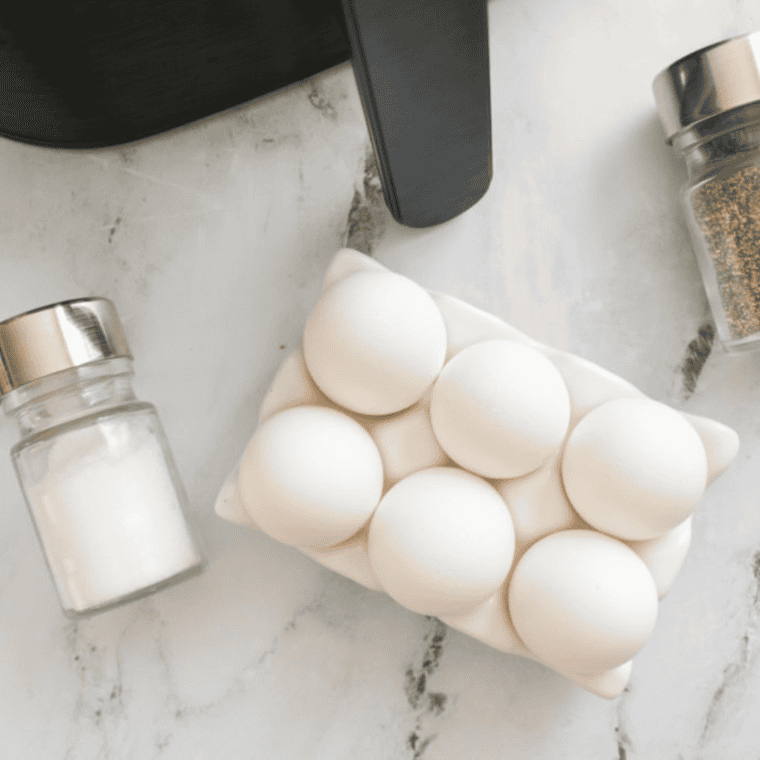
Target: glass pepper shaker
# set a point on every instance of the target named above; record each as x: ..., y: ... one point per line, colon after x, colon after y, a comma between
x: 709, y: 105
x: 93, y: 462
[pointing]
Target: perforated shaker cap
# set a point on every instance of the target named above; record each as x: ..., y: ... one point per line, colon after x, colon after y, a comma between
x: 708, y: 82
x: 60, y: 336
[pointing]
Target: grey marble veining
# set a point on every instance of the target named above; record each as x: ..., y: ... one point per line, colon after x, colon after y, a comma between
x: 212, y: 241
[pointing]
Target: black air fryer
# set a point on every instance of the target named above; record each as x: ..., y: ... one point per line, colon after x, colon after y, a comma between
x: 99, y: 73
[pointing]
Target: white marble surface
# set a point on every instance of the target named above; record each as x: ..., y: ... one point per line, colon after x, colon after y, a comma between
x: 212, y: 242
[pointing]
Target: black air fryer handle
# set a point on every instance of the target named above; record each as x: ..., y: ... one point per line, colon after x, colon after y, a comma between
x: 422, y: 71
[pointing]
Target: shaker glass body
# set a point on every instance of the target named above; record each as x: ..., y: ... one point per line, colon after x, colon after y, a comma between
x: 101, y: 486
x: 722, y: 202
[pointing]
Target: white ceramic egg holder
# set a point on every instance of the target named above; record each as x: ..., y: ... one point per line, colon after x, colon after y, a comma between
x: 539, y: 504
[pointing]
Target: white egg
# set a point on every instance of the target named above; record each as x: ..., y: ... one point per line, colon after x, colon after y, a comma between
x: 634, y: 468
x: 374, y: 342
x: 582, y: 602
x: 310, y: 477
x: 500, y: 408
x: 441, y: 541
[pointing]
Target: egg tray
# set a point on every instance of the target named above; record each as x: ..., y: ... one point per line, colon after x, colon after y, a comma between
x: 539, y: 504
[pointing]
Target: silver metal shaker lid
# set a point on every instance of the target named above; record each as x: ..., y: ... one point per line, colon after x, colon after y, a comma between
x: 60, y: 336
x: 708, y: 82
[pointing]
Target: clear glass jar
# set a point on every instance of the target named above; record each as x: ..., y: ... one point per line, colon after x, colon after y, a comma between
x: 709, y: 103
x: 98, y: 476
x: 722, y: 203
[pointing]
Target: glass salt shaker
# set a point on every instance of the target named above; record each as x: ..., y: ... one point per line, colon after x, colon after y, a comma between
x: 709, y: 105
x: 93, y: 462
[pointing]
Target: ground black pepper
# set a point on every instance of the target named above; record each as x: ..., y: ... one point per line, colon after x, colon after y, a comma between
x: 726, y: 210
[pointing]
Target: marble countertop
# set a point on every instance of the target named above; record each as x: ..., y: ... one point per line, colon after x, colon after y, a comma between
x: 212, y: 241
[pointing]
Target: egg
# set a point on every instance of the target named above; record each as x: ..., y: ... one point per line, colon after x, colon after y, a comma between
x: 499, y: 408
x: 310, y: 477
x: 634, y: 468
x: 374, y: 342
x: 582, y: 602
x: 441, y: 541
